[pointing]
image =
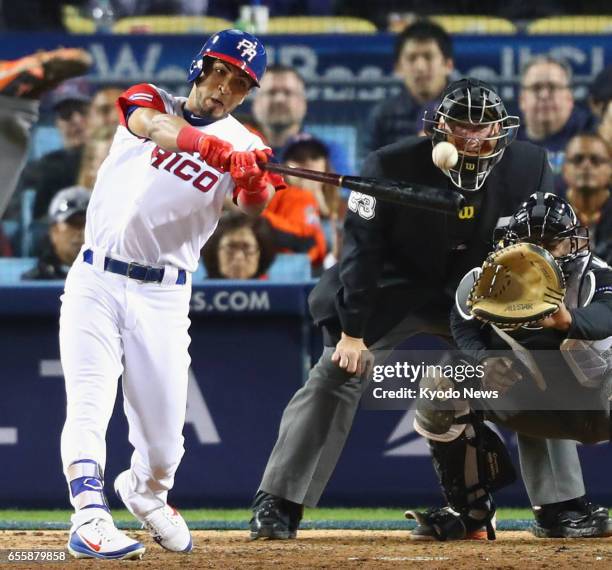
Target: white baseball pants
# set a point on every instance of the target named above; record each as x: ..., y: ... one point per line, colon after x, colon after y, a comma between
x: 111, y: 326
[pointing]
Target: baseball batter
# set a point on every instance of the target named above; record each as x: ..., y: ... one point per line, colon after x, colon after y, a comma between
x: 156, y: 201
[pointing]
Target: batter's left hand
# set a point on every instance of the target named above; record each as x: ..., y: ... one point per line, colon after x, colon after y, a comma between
x: 560, y: 319
x: 246, y: 172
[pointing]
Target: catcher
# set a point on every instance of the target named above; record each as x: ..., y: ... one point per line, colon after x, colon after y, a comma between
x: 545, y: 298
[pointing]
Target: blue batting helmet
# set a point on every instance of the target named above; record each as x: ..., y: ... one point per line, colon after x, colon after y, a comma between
x: 239, y: 48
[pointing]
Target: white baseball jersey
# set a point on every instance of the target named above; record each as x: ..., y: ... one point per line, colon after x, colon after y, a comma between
x: 154, y: 206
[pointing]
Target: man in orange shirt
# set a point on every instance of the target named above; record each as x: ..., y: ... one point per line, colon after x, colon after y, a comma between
x: 296, y: 212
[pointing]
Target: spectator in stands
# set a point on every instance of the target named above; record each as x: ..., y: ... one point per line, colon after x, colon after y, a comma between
x: 604, y: 129
x: 70, y: 103
x: 424, y: 60
x: 103, y: 121
x: 304, y: 215
x: 588, y: 172
x: 22, y: 82
x: 600, y: 92
x: 102, y: 111
x: 95, y: 151
x: 550, y: 118
x: 279, y: 108
x: 241, y: 248
x: 59, y: 169
x: 66, y: 234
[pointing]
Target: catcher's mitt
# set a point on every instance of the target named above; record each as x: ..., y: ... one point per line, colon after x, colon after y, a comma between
x: 519, y: 285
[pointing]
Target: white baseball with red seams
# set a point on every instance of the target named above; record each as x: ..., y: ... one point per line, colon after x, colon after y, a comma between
x: 157, y: 208
x: 444, y: 155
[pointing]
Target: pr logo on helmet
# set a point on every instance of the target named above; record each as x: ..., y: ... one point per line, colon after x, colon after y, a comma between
x: 362, y: 204
x: 249, y: 49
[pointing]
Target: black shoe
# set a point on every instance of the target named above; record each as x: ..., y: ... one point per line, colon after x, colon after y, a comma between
x: 274, y: 517
x: 576, y: 518
x: 475, y: 523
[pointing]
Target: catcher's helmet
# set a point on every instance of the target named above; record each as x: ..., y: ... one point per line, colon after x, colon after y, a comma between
x: 545, y: 219
x: 239, y: 48
x: 466, y: 105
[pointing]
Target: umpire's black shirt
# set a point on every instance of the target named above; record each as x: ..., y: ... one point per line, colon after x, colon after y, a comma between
x: 397, y: 260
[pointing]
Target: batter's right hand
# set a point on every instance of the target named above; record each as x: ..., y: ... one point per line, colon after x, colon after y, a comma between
x: 353, y: 355
x: 215, y: 152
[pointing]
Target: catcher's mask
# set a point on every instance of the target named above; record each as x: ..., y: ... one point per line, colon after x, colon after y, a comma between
x: 474, y: 119
x: 546, y: 220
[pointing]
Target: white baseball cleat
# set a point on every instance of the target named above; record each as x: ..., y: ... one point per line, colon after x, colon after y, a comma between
x: 100, y: 538
x: 169, y: 529
x: 166, y: 525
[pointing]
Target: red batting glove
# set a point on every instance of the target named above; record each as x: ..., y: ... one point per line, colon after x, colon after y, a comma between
x: 213, y: 150
x: 263, y: 157
x: 246, y: 172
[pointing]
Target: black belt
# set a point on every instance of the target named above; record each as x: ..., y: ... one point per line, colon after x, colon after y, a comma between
x: 142, y: 273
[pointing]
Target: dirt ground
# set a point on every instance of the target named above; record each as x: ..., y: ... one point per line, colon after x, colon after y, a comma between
x: 338, y: 549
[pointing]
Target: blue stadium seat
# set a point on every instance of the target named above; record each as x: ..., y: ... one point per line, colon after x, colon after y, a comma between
x: 36, y: 233
x: 11, y: 269
x: 199, y: 275
x: 27, y: 215
x: 12, y: 230
x: 290, y: 267
x: 344, y: 137
x: 46, y: 139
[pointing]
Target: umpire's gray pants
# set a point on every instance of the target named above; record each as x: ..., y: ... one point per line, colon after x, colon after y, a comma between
x: 318, y: 419
x: 16, y: 119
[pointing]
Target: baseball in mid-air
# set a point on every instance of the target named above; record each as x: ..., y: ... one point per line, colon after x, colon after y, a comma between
x: 444, y: 155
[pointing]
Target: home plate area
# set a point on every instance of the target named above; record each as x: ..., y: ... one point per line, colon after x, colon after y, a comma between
x: 338, y: 549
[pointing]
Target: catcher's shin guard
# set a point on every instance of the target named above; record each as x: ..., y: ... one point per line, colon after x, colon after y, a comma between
x: 469, y: 469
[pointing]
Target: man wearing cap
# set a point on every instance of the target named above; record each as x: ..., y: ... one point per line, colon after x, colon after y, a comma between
x: 22, y: 82
x: 65, y: 237
x: 157, y: 199
x: 59, y: 169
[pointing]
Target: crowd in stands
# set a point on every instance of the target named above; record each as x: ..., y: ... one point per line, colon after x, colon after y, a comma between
x: 423, y: 59
x: 47, y: 15
x: 306, y: 217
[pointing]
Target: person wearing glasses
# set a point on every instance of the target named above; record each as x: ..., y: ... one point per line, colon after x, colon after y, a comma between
x: 280, y: 107
x: 59, y: 168
x: 241, y: 248
x: 549, y: 114
x: 587, y: 172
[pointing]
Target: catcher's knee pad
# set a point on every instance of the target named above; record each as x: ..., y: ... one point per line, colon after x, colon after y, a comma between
x: 472, y: 465
x: 435, y: 418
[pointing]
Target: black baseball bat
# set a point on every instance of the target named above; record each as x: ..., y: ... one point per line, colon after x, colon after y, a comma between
x: 404, y: 193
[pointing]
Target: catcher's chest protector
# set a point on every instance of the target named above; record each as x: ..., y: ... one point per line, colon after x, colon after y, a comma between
x: 579, y: 293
